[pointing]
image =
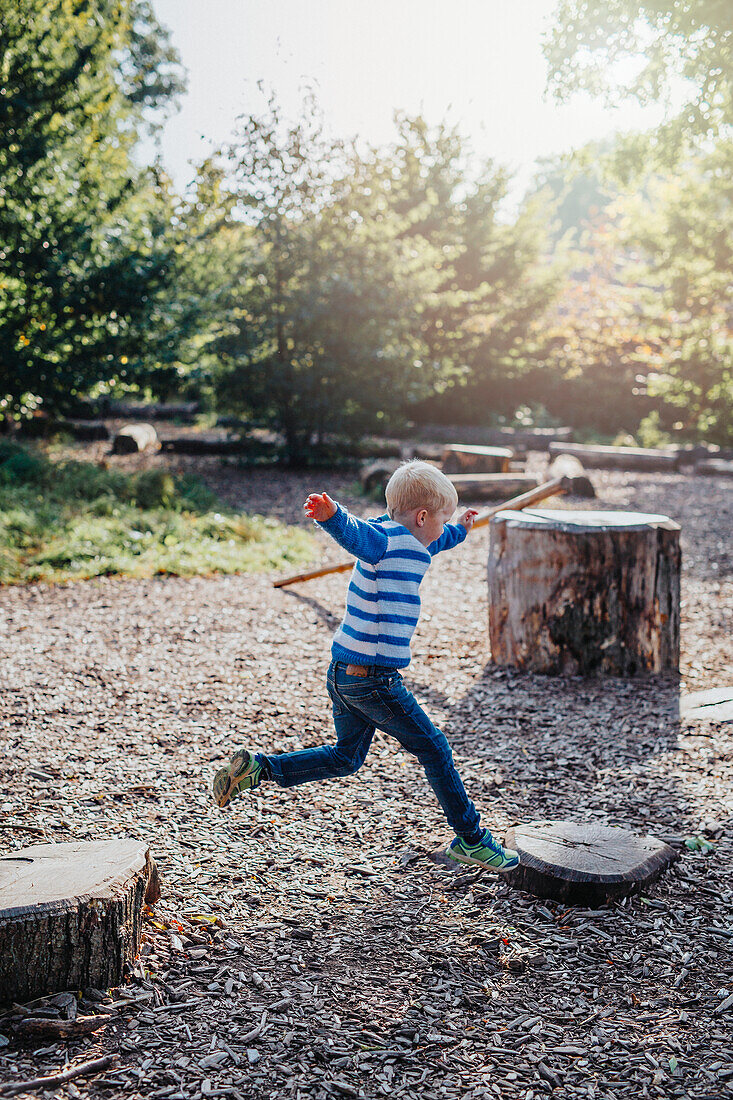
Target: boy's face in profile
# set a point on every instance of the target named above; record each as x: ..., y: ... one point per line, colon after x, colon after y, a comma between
x: 429, y: 525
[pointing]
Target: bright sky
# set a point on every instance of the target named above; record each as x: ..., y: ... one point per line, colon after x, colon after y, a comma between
x: 478, y: 63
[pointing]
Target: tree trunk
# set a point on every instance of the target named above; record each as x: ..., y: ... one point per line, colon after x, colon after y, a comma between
x: 70, y: 915
x: 584, y: 592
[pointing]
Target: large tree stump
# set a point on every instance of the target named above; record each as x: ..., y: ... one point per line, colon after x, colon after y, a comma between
x: 463, y: 458
x: 70, y: 915
x: 584, y: 592
x: 584, y: 864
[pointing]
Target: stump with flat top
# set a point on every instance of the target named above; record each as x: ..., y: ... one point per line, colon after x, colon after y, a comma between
x: 71, y: 915
x: 582, y: 592
x: 584, y: 864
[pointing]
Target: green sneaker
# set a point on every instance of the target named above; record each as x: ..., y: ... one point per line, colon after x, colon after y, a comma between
x: 487, y: 853
x: 242, y: 773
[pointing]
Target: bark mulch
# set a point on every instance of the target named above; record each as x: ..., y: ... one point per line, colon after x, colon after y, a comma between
x: 306, y: 946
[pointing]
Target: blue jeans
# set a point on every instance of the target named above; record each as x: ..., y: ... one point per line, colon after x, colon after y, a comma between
x: 362, y: 704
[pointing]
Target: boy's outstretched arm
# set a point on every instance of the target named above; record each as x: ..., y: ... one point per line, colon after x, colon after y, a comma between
x: 360, y: 539
x: 454, y: 533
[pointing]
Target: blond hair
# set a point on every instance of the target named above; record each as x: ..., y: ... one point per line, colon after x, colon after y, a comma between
x: 417, y: 484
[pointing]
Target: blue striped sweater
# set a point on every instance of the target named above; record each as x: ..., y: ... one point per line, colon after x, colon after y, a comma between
x: 382, y: 602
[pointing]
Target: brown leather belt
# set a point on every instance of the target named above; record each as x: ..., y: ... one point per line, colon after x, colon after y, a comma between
x: 356, y: 670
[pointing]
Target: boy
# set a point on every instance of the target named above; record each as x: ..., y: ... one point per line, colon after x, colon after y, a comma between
x: 370, y: 646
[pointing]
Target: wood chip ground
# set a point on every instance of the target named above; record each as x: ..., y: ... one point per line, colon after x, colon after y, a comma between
x: 305, y: 945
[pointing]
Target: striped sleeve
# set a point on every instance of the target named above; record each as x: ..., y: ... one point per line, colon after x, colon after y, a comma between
x: 453, y: 534
x: 364, y: 540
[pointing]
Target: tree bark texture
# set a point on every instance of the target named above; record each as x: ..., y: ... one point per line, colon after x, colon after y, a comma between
x: 584, y: 592
x: 71, y: 915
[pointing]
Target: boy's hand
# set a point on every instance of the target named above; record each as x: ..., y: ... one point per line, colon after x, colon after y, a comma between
x: 468, y: 518
x: 320, y: 507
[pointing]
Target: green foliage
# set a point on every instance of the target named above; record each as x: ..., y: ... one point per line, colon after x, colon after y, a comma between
x: 86, y: 252
x: 320, y: 335
x: 680, y: 235
x: 651, y: 51
x: 72, y: 520
x: 368, y: 281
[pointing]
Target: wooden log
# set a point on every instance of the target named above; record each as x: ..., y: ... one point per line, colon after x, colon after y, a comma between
x: 87, y: 431
x: 375, y: 475
x: 134, y: 438
x: 619, y: 458
x: 584, y: 592
x: 570, y: 467
x: 528, y: 439
x: 462, y: 458
x: 70, y: 915
x: 492, y: 486
x: 715, y: 466
x: 584, y: 864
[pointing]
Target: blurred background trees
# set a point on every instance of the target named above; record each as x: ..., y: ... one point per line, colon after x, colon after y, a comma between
x: 326, y: 289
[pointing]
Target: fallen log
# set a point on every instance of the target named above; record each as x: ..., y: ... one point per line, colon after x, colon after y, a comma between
x: 135, y: 438
x: 619, y: 458
x: 568, y: 466
x: 719, y: 467
x: 463, y: 458
x: 492, y: 486
x: 71, y: 915
x: 584, y: 864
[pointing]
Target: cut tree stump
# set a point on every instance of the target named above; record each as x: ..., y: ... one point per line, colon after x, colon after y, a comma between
x: 71, y: 915
x: 462, y: 458
x: 134, y: 438
x: 584, y: 864
x: 491, y: 486
x: 619, y: 458
x: 584, y: 592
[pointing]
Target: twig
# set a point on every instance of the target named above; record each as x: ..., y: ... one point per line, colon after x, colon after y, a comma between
x: 55, y: 1079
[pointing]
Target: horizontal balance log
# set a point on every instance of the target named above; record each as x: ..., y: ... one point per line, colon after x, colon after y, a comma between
x: 584, y: 864
x: 619, y: 458
x: 491, y: 486
x: 463, y: 458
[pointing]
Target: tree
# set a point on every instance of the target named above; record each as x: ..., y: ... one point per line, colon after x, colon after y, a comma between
x: 324, y: 299
x: 495, y: 272
x: 681, y: 236
x: 651, y: 51
x: 85, y: 258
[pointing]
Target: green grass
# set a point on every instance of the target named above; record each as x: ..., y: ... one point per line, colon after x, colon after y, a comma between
x: 62, y: 521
